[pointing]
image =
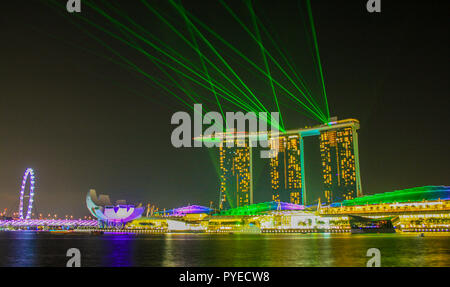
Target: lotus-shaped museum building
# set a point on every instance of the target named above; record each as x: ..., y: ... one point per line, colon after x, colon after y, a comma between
x: 110, y: 215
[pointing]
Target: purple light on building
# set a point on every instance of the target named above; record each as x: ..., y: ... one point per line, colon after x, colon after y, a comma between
x: 189, y: 209
x: 109, y: 214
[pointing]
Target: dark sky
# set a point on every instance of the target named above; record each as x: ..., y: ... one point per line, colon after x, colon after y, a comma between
x: 71, y: 116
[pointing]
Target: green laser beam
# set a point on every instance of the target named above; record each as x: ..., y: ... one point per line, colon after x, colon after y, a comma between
x: 299, y: 78
x: 269, y: 55
x: 266, y: 64
x: 208, y: 44
x: 144, y: 52
x: 202, y: 62
x: 253, y: 64
x: 129, y: 65
x: 316, y: 46
x: 140, y: 49
x: 170, y: 49
x: 122, y: 26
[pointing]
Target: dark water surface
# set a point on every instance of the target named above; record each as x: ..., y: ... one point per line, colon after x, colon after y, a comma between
x: 44, y: 249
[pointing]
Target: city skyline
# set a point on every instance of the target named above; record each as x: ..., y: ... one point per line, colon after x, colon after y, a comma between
x: 235, y: 141
x: 79, y: 131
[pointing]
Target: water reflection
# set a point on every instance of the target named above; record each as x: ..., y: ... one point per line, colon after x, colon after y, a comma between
x: 118, y: 250
x: 34, y: 249
x: 24, y: 252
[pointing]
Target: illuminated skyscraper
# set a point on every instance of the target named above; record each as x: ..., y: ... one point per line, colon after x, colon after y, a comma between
x: 235, y: 175
x: 338, y: 164
x: 285, y: 171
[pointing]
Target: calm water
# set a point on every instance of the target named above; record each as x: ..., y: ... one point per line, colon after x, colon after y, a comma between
x: 42, y: 249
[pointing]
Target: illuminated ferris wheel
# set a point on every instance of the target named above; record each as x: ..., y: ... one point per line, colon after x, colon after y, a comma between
x: 29, y: 173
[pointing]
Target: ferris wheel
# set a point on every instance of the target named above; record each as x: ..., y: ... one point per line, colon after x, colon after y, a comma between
x: 29, y: 173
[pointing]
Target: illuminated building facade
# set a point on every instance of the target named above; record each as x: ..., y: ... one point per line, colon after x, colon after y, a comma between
x: 258, y: 208
x: 420, y: 209
x: 235, y: 175
x: 182, y: 211
x: 285, y: 171
x: 338, y: 164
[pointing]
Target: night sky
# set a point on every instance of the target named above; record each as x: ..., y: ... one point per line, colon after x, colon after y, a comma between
x: 72, y: 117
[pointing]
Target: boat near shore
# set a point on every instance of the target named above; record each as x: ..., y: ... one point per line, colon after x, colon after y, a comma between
x: 61, y: 231
x: 360, y: 225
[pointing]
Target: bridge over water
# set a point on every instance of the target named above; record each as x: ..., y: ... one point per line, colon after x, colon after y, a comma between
x: 29, y: 223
